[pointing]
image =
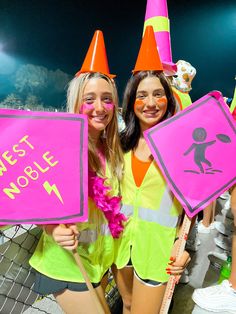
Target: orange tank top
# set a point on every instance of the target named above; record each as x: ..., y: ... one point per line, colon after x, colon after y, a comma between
x: 139, y: 169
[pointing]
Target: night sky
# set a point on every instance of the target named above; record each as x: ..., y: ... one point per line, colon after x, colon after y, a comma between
x: 56, y: 35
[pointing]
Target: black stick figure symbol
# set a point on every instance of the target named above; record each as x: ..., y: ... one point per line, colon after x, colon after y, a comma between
x: 199, y: 148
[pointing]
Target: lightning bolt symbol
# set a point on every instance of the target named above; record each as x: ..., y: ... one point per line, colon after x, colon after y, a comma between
x: 52, y: 188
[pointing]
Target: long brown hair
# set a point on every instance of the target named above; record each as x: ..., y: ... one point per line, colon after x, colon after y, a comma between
x: 110, y: 142
x: 132, y: 132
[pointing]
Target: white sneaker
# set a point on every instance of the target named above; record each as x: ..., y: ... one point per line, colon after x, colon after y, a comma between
x: 225, y: 228
x: 218, y: 299
x: 225, y: 195
x: 227, y: 205
x: 202, y: 229
x: 223, y: 242
x: 212, y: 225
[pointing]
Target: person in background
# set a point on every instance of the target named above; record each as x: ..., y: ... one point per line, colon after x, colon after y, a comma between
x: 91, y: 92
x: 207, y: 223
x: 222, y: 297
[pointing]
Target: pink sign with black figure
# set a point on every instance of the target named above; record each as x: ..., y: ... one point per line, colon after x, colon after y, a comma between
x: 195, y: 150
x: 43, y: 167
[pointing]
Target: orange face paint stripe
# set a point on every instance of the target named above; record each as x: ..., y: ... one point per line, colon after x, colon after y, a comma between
x: 161, y: 101
x: 139, y: 102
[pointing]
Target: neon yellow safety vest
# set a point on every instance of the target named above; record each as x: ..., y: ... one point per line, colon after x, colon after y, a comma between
x: 96, y: 248
x: 183, y: 99
x: 149, y: 233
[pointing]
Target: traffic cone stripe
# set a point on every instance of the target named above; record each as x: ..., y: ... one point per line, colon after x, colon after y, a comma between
x: 159, y: 23
x: 157, y: 16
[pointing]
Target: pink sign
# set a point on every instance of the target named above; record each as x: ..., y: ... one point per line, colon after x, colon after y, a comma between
x: 43, y: 167
x: 195, y: 151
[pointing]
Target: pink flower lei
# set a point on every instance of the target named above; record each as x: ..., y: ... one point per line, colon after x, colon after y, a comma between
x: 109, y: 205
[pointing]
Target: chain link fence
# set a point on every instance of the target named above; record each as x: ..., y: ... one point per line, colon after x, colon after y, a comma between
x: 17, y: 244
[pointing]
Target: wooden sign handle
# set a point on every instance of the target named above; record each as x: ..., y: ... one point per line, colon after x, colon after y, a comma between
x: 172, y: 281
x: 91, y: 289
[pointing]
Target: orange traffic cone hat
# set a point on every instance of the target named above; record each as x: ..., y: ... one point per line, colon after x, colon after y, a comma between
x: 96, y: 57
x: 148, y: 57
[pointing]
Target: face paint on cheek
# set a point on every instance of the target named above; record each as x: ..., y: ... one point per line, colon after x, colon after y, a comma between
x: 109, y: 106
x: 85, y: 107
x: 161, y: 101
x: 138, y: 103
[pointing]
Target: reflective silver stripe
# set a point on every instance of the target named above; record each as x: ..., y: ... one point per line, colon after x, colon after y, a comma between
x: 167, y: 201
x: 127, y: 210
x: 105, y: 230
x: 91, y: 235
x: 162, y: 216
x: 163, y: 219
x: 88, y: 236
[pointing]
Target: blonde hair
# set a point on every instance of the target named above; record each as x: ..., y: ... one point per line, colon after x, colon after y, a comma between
x: 111, y: 142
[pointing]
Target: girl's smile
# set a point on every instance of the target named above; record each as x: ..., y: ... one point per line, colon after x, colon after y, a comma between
x: 151, y: 103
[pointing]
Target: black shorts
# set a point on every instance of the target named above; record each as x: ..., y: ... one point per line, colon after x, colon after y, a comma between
x: 147, y: 282
x: 45, y: 285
